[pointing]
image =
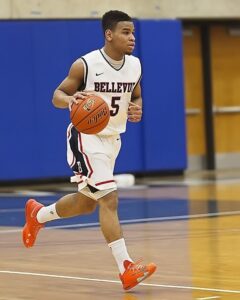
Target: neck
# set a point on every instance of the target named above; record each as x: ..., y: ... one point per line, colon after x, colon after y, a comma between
x: 113, y: 54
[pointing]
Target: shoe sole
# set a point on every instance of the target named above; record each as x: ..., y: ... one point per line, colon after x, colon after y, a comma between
x: 136, y: 283
x: 24, y: 231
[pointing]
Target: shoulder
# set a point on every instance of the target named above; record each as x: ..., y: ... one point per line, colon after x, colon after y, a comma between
x: 91, y: 55
x: 76, y: 69
x: 77, y: 65
x: 82, y: 61
x: 133, y: 60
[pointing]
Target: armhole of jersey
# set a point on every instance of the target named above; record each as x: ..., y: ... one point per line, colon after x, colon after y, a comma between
x: 140, y: 76
x: 83, y: 86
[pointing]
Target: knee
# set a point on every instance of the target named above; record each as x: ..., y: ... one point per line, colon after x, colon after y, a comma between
x: 88, y: 204
x: 109, y: 201
x: 91, y: 206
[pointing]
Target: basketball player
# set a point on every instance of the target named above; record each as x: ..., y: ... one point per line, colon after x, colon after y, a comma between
x: 113, y: 74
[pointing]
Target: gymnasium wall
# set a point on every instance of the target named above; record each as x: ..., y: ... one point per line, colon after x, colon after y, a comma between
x: 39, y: 9
x: 35, y: 56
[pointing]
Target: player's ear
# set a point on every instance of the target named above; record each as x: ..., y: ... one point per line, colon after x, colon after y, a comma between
x: 108, y: 35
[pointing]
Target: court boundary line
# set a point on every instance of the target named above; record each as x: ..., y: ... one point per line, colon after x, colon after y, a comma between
x: 207, y: 298
x: 118, y: 282
x: 134, y: 221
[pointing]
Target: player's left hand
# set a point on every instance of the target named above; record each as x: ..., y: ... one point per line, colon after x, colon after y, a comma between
x: 134, y: 112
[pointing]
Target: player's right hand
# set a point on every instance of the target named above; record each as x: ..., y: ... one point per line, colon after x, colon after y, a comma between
x: 76, y: 98
x: 80, y: 95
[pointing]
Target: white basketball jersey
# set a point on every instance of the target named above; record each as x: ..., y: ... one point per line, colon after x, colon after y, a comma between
x: 114, y: 86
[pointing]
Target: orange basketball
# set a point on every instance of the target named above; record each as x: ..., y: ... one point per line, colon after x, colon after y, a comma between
x: 91, y: 115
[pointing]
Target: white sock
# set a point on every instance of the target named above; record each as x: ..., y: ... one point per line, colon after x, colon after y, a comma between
x: 47, y: 213
x: 120, y: 253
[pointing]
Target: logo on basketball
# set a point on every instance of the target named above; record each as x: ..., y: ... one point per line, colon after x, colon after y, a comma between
x: 89, y: 104
x: 91, y: 116
x: 95, y: 119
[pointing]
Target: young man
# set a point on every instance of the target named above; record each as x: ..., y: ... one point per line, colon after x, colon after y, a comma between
x: 113, y: 74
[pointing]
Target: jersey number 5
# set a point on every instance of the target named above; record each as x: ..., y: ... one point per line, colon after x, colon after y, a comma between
x: 115, y: 105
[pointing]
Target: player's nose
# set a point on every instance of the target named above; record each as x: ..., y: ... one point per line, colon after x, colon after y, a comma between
x: 132, y: 38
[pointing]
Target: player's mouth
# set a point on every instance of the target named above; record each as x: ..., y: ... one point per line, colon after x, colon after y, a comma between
x: 131, y: 46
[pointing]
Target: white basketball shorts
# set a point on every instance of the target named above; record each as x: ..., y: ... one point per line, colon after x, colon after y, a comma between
x: 92, y: 158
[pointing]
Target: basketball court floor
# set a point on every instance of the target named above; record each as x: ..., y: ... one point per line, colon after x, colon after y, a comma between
x: 190, y: 227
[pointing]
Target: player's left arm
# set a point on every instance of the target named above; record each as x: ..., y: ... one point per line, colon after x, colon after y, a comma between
x: 135, y: 106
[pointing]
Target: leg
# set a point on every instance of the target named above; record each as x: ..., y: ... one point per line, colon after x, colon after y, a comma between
x: 108, y: 217
x: 74, y: 205
x: 130, y: 273
x: 111, y: 228
x: 68, y: 206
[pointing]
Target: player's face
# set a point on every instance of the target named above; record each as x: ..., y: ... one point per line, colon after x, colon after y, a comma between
x: 123, y: 39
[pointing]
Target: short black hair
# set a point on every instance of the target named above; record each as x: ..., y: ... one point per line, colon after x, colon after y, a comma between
x: 112, y: 17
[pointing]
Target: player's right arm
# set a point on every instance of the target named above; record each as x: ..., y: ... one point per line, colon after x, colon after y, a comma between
x: 66, y: 93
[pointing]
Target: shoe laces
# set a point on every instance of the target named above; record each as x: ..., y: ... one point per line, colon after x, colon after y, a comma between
x: 137, y: 266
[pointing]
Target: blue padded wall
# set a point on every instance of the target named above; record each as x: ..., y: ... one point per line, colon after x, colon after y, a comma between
x: 164, y: 116
x: 17, y: 120
x: 35, y: 57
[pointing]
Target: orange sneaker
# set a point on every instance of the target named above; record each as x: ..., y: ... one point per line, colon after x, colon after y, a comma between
x: 135, y: 273
x: 32, y: 226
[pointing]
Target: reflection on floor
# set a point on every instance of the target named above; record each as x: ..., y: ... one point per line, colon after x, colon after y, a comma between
x: 190, y: 227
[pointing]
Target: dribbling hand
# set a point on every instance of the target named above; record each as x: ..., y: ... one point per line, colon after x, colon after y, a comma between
x: 134, y: 112
x: 77, y: 98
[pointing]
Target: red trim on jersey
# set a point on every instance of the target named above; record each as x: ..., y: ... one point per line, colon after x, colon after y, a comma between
x: 88, y: 162
x: 69, y: 135
x: 69, y: 131
x: 104, y: 182
x: 80, y: 181
x: 73, y: 161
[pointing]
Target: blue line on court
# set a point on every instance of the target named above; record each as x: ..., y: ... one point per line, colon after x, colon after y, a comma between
x: 12, y: 210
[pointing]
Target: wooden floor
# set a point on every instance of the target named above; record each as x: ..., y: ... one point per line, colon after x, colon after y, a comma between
x: 197, y: 257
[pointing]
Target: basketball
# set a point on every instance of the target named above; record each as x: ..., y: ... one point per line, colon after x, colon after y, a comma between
x: 91, y: 115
